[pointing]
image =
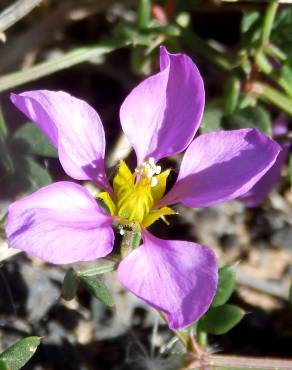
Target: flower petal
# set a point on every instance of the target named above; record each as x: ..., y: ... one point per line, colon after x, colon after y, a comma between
x: 257, y: 194
x: 155, y: 214
x: 73, y: 127
x: 60, y: 223
x: 176, y: 277
x: 220, y: 166
x: 161, y: 115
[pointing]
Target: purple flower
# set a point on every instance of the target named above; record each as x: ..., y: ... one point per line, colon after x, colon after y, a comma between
x: 259, y: 192
x: 62, y: 223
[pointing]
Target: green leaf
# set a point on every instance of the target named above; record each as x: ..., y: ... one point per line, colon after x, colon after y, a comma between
x: 226, y: 283
x: 286, y: 78
x: 282, y: 30
x: 20, y: 353
x: 290, y: 294
x: 232, y: 92
x: 5, y: 157
x: 3, y: 126
x: 70, y: 284
x: 250, y: 29
x: 212, y: 116
x: 219, y: 320
x: 36, y: 174
x: 250, y: 117
x: 248, y: 20
x: 3, y: 365
x: 271, y: 95
x: 33, y: 141
x: 6, y: 161
x: 28, y: 176
x: 102, y: 267
x: 98, y: 289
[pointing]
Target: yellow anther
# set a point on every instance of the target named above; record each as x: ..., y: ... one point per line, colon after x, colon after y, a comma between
x: 135, y: 194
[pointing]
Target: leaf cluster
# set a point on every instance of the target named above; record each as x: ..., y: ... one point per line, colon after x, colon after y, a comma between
x: 21, y: 155
x: 222, y: 316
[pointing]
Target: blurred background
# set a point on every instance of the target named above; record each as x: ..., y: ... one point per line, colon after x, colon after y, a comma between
x: 98, y: 51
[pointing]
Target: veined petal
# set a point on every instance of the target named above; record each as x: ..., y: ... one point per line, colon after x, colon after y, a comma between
x: 73, y: 127
x: 257, y: 194
x: 60, y: 223
x: 162, y: 114
x: 176, y: 277
x: 222, y: 165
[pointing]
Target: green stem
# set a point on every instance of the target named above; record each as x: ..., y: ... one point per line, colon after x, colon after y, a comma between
x: 131, y: 240
x: 269, y: 94
x: 236, y: 362
x: 268, y: 21
x: 232, y: 93
x: 143, y: 14
x: 202, y: 338
x: 275, y: 51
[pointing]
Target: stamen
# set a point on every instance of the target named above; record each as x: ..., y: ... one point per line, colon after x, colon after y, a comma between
x: 158, y: 170
x: 121, y: 230
x: 148, y: 169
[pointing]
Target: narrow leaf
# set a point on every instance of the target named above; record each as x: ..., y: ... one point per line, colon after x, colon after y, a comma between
x: 33, y: 141
x: 37, y: 175
x: 248, y: 117
x: 290, y: 294
x: 98, y: 289
x: 3, y: 126
x: 102, y: 267
x: 28, y: 176
x: 226, y: 285
x: 212, y: 116
x: 70, y: 284
x: 271, y: 95
x: 219, y: 320
x: 20, y: 353
x: 74, y: 57
x: 248, y: 20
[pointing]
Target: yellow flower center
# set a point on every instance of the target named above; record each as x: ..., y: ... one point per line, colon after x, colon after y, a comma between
x: 136, y: 194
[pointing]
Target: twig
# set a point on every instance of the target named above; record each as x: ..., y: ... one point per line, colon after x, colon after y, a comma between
x: 15, y: 12
x: 41, y: 31
x: 33, y: 38
x: 74, y: 57
x: 248, y: 363
x: 269, y: 287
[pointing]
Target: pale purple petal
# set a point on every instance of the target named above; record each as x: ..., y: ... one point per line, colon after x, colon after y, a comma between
x: 280, y: 125
x: 257, y: 194
x: 161, y: 115
x: 222, y: 165
x: 176, y: 277
x: 73, y: 127
x: 60, y: 223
